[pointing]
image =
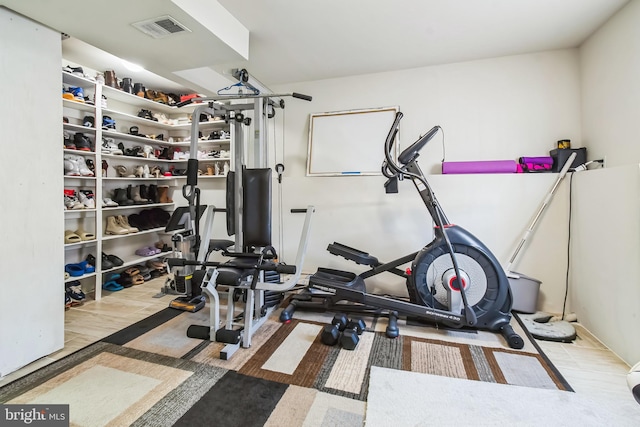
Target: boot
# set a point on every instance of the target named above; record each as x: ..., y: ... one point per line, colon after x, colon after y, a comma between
x: 120, y: 197
x: 113, y: 227
x: 110, y: 79
x: 144, y: 193
x: 124, y: 223
x: 152, y: 193
x: 163, y: 194
x: 136, y: 197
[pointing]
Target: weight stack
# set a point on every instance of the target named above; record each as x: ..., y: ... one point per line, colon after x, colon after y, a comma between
x: 272, y: 298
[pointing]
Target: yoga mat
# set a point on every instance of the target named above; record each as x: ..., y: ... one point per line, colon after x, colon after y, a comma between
x: 545, y: 160
x: 487, y: 166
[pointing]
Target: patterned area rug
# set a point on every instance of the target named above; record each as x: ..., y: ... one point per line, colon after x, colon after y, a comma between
x: 151, y: 373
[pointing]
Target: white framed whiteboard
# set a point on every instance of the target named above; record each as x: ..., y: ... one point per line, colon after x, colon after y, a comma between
x: 349, y: 143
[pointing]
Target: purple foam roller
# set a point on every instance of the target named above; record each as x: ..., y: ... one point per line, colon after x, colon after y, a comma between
x: 545, y: 160
x: 486, y: 166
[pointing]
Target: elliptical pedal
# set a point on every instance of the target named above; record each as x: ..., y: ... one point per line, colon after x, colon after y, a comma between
x: 352, y: 254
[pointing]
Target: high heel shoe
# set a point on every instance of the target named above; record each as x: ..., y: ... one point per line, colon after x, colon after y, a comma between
x: 156, y: 171
x: 105, y: 168
x: 138, y: 172
x: 121, y: 171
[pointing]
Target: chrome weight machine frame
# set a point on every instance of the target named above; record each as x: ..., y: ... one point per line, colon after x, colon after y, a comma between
x: 244, y: 273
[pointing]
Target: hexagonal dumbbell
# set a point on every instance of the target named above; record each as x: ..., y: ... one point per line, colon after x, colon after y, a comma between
x: 351, y: 335
x: 331, y: 333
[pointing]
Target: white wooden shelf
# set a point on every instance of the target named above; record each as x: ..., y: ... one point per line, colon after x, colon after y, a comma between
x: 149, y: 205
x: 128, y: 262
x: 138, y: 233
x: 123, y: 107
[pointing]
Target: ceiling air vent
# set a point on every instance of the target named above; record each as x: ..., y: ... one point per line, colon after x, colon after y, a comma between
x: 160, y: 27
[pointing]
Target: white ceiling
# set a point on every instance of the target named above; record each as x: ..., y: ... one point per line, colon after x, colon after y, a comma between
x: 292, y: 41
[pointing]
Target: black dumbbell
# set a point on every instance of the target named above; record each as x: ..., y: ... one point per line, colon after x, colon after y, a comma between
x: 351, y: 335
x: 331, y: 333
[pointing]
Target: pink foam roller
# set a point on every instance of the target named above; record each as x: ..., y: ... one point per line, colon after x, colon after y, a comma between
x: 486, y: 166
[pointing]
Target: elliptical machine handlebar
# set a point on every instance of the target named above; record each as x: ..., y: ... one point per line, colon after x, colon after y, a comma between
x: 412, y: 152
x: 393, y: 169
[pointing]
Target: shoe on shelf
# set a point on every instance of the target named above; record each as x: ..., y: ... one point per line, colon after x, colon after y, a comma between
x: 85, y: 235
x: 146, y: 251
x: 74, y: 290
x: 82, y: 142
x: 120, y: 197
x: 107, y: 264
x: 88, y: 122
x: 138, y: 171
x: 71, y: 166
x: 115, y: 260
x: 71, y: 237
x: 122, y: 171
x: 75, y: 165
x: 71, y: 201
x: 86, y: 198
x: 78, y: 71
x: 91, y: 260
x: 67, y: 301
x: 108, y: 203
x: 105, y: 168
x: 114, y: 227
x: 109, y: 146
x: 163, y: 194
x: 124, y: 223
x: 108, y: 123
x: 135, y: 195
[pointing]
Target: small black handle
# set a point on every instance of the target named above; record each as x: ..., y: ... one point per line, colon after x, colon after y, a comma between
x: 301, y: 96
x: 183, y: 103
x: 299, y: 210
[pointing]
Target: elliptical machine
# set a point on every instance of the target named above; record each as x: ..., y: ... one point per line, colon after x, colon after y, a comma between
x: 454, y: 281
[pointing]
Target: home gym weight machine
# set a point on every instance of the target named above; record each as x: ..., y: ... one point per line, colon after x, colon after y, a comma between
x: 454, y: 281
x: 252, y: 272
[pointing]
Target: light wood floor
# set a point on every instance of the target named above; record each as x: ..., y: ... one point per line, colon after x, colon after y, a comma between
x: 587, y: 365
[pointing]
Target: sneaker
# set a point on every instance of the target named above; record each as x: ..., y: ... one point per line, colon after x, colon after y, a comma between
x: 67, y: 301
x: 82, y: 142
x: 78, y: 93
x: 88, y: 122
x: 74, y: 290
x: 109, y: 146
x: 68, y: 142
x: 78, y: 71
x: 108, y: 123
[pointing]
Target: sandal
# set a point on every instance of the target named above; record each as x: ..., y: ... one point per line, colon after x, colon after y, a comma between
x: 132, y: 271
x: 146, y: 251
x: 112, y: 286
x: 85, y: 235
x: 74, y: 270
x: 71, y: 237
x: 137, y: 279
x: 117, y: 262
x: 88, y: 268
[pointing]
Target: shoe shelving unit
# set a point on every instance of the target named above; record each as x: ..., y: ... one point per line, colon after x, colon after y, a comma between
x: 172, y: 130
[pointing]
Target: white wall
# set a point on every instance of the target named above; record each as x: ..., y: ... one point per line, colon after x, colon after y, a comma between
x: 610, y: 66
x: 31, y: 212
x: 499, y: 108
x: 606, y: 289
